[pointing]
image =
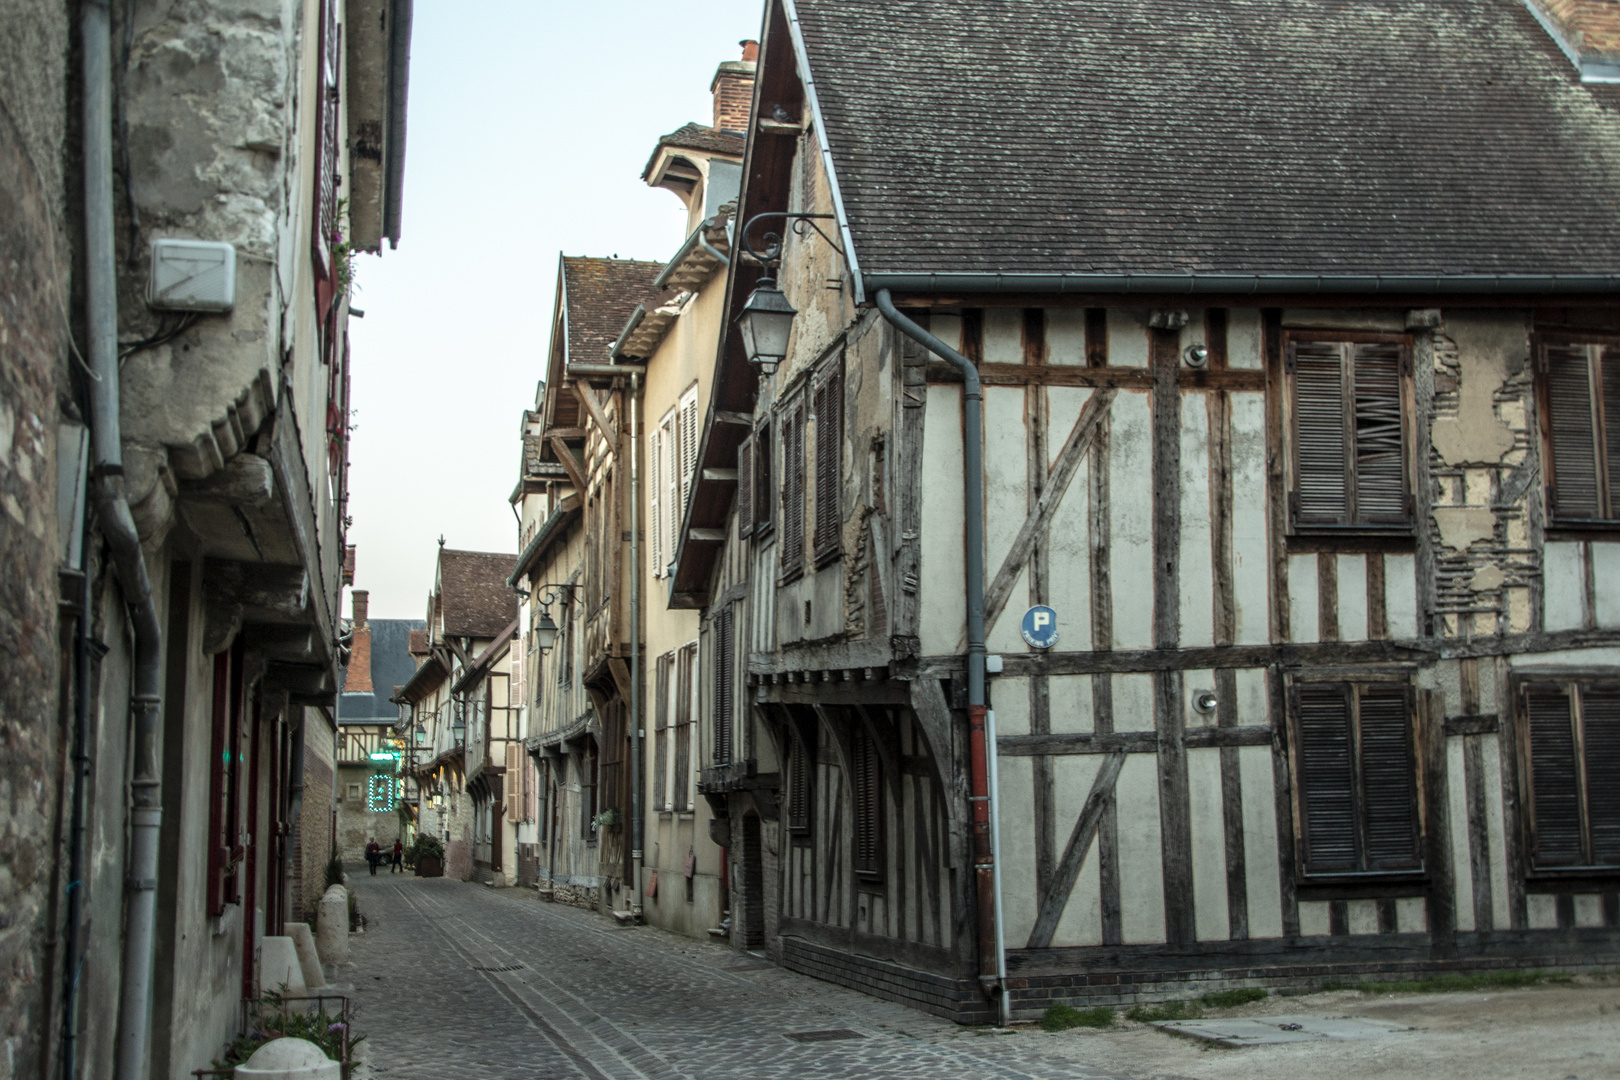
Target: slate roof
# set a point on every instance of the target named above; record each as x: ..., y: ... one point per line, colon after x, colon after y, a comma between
x: 698, y: 137
x: 391, y: 665
x: 601, y: 294
x: 473, y: 595
x: 1241, y: 136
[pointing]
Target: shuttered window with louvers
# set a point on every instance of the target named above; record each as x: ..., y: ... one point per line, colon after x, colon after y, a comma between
x: 328, y: 147
x: 764, y: 489
x: 688, y: 435
x: 1581, y: 406
x: 1349, y: 433
x: 666, y: 664
x: 792, y: 539
x: 685, y: 688
x: 745, y: 487
x: 1357, y: 778
x: 1573, y: 731
x: 724, y: 722
x: 655, y: 532
x: 866, y: 787
x: 801, y: 770
x: 829, y: 404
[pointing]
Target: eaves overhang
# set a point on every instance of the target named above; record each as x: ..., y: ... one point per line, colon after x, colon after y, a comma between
x: 548, y: 532
x: 1085, y: 284
x: 486, y: 659
x: 427, y: 678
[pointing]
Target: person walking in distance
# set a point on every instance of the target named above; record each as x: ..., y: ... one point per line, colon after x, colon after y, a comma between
x: 373, y: 854
x: 396, y: 861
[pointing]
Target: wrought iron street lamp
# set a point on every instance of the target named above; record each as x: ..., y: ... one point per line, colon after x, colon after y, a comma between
x: 766, y: 320
x: 546, y: 629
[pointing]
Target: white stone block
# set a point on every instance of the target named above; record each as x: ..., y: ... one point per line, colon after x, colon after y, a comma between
x: 279, y: 969
x: 289, y: 1059
x: 309, y: 959
x: 332, y: 926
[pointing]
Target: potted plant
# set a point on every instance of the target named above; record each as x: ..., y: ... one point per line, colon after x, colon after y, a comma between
x: 428, y: 855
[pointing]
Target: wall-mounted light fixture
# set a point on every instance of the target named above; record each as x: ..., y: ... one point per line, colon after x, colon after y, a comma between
x: 1197, y: 356
x: 546, y: 629
x: 766, y: 320
x: 1205, y: 701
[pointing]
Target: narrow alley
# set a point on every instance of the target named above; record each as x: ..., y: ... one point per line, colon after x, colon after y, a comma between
x: 455, y: 980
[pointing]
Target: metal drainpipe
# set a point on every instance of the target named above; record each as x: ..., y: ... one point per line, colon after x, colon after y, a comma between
x: 74, y: 960
x: 984, y: 861
x: 636, y: 719
x: 124, y: 542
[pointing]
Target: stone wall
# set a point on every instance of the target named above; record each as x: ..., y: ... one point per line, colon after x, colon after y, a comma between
x: 33, y: 357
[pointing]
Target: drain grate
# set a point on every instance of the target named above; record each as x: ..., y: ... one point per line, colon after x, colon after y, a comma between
x: 823, y: 1036
x: 504, y: 967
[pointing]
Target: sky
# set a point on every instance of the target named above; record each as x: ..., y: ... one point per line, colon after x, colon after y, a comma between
x: 530, y: 122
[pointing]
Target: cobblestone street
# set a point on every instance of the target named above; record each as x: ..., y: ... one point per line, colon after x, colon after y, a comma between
x: 455, y: 980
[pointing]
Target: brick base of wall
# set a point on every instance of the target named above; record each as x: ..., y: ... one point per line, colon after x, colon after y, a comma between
x: 955, y: 999
x: 528, y: 865
x: 1034, y: 994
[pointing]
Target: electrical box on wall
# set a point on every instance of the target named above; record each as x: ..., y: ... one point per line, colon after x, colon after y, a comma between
x: 192, y: 275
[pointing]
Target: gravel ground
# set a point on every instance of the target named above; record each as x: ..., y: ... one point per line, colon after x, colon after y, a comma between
x: 1553, y: 1032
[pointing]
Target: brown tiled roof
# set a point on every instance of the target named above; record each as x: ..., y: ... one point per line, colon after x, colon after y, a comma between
x: 419, y: 642
x: 698, y: 137
x: 601, y: 294
x: 1303, y: 137
x: 473, y: 594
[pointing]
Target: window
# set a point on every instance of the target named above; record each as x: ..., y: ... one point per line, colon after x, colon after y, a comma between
x: 720, y: 638
x: 685, y: 691
x: 829, y: 406
x: 866, y: 787
x: 327, y: 149
x: 225, y: 851
x: 1356, y: 775
x: 745, y: 487
x: 764, y: 490
x: 1572, y: 733
x: 354, y: 792
x: 587, y: 790
x: 1350, y: 400
x: 564, y: 647
x: 1580, y: 409
x: 792, y: 540
x: 800, y: 779
x: 661, y: 718
x: 655, y: 473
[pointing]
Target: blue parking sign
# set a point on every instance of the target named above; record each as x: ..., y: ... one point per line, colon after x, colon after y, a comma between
x: 1040, y: 627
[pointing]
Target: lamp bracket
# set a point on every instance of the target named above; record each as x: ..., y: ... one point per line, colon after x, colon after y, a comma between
x: 801, y: 224
x: 554, y: 592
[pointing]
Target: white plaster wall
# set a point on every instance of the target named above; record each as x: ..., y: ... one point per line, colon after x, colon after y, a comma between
x: 1006, y: 501
x: 1352, y: 597
x: 1208, y: 844
x: 1197, y: 548
x: 1069, y: 584
x: 1141, y: 865
x: 943, y: 608
x: 1260, y: 842
x: 1072, y: 777
x: 1501, y: 916
x: 1133, y: 702
x: 1251, y: 582
x: 1303, y: 610
x: 1019, y: 899
x: 1066, y: 336
x: 1127, y: 338
x: 1069, y: 703
x: 1244, y: 344
x: 1457, y: 805
x: 1315, y: 919
x: 1254, y: 704
x: 1606, y: 578
x: 1400, y: 596
x: 1563, y: 587
x: 1130, y: 491
x: 1010, y: 696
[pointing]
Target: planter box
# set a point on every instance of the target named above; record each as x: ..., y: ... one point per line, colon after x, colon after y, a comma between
x: 429, y: 866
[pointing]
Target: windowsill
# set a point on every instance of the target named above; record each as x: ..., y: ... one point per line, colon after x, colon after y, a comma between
x: 1583, y: 530
x: 1306, y: 541
x: 790, y: 576
x: 1568, y: 875
x: 1370, y: 884
x: 828, y: 558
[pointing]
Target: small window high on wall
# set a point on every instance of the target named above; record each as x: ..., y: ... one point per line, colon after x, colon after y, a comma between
x: 1569, y: 738
x: 1355, y: 773
x: 1350, y: 407
x: 1579, y: 386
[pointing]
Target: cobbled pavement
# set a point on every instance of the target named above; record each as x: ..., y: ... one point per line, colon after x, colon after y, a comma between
x: 455, y: 980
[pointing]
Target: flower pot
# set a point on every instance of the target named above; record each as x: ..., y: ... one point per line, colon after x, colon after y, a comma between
x: 429, y: 866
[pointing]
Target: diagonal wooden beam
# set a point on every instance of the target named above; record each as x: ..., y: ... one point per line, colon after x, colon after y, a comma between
x: 597, y: 413
x: 1067, y: 872
x: 570, y: 464
x: 1068, y: 463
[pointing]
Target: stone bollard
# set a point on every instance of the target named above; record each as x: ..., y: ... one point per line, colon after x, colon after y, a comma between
x: 289, y: 1059
x: 308, y: 959
x: 279, y: 969
x: 332, y: 929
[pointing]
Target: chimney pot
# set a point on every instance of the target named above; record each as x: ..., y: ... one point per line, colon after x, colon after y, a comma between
x: 750, y: 49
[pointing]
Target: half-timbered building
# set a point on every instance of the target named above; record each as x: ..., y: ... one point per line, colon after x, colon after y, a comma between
x: 1286, y: 336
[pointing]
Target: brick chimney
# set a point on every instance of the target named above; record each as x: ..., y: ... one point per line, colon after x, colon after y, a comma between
x: 733, y: 90
x: 357, y: 677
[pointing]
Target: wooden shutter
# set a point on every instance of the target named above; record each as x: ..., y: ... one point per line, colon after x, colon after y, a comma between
x: 1380, y: 440
x: 867, y: 791
x: 745, y: 487
x: 513, y: 784
x: 1327, y: 778
x: 682, y: 780
x: 688, y: 437
x: 800, y: 770
x: 1608, y: 361
x: 661, y: 734
x: 1554, y: 785
x: 829, y: 404
x: 328, y: 143
x: 1600, y: 739
x: 672, y: 486
x: 721, y: 639
x: 1576, y: 477
x: 219, y: 829
x: 1388, y: 778
x: 1322, y: 482
x: 655, y: 532
x: 764, y: 489
x: 792, y: 539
